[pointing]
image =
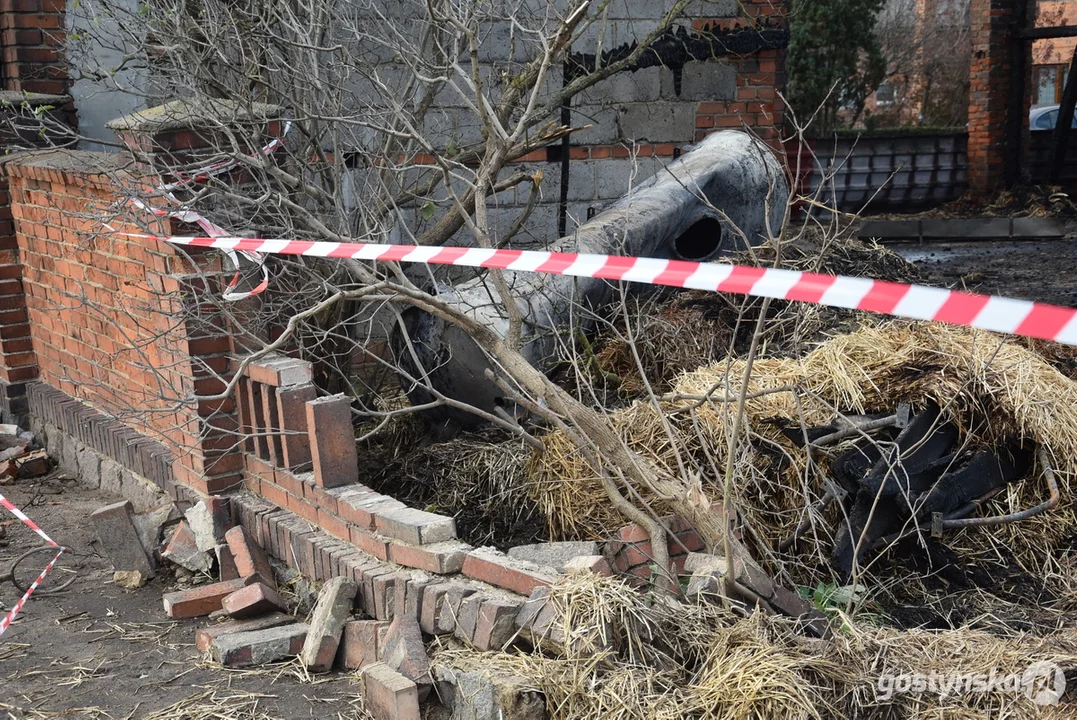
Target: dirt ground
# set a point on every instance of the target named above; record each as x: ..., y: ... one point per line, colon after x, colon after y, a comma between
x: 1041, y: 270
x: 97, y: 650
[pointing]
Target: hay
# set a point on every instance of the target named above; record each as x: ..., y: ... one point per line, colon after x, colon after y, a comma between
x: 712, y: 665
x: 990, y: 387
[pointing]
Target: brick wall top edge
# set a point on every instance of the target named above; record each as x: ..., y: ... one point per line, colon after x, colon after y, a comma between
x: 74, y: 161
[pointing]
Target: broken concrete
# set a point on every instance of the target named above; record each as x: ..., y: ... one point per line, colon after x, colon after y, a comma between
x: 182, y: 549
x: 209, y: 520
x: 330, y: 613
x: 129, y: 579
x: 554, y: 554
x: 481, y: 695
x: 119, y: 538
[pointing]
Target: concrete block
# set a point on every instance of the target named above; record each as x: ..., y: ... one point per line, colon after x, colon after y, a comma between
x: 482, y: 694
x: 360, y: 643
x: 249, y: 557
x: 1032, y: 228
x: 554, y: 554
x: 402, y: 649
x: 209, y: 520
x: 253, y: 600
x: 890, y: 229
x: 588, y: 563
x: 89, y: 467
x: 149, y: 525
x: 708, y: 81
x: 332, y: 441
x: 415, y: 526
x: 119, y: 538
x: 199, y: 601
x: 640, y: 86
x: 388, y: 695
x: 111, y: 476
x: 204, y: 637
x: 327, y: 623
x: 182, y: 549
x: 973, y: 228
x: 658, y: 122
x: 258, y: 647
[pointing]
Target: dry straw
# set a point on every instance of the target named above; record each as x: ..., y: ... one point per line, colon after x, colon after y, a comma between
x: 994, y: 389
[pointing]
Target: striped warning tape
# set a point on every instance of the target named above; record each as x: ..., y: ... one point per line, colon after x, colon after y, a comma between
x: 986, y: 312
x: 6, y: 621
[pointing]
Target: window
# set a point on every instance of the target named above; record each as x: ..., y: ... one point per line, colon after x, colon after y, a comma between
x: 1050, y: 81
x: 885, y: 95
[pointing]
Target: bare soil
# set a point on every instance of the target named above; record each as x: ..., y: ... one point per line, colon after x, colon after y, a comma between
x: 98, y: 650
x: 1040, y: 270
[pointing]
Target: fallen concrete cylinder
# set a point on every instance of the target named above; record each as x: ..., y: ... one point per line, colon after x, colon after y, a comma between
x: 725, y: 194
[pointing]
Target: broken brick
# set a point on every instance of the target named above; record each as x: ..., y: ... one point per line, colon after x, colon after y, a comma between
x: 449, y: 609
x: 182, y: 549
x: 327, y: 623
x: 388, y: 695
x: 226, y: 563
x: 588, y: 563
x: 433, y: 597
x: 403, y: 650
x: 250, y: 558
x: 443, y: 558
x: 254, y: 599
x: 257, y: 647
x: 204, y: 637
x: 360, y: 643
x: 199, y: 601
x: 467, y: 616
x: 495, y: 625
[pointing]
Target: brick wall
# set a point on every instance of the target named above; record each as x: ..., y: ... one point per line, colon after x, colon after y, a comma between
x: 110, y: 317
x: 991, y: 155
x: 33, y: 32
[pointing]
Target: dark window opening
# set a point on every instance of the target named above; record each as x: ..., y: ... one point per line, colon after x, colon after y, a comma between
x: 702, y: 241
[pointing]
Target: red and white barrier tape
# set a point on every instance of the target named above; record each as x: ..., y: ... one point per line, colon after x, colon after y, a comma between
x: 986, y: 312
x: 6, y: 621
x: 190, y: 216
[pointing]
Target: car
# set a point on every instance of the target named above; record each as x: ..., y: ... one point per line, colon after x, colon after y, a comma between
x: 1046, y: 117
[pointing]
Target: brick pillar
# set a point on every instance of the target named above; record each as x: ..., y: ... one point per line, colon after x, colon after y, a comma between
x: 33, y: 33
x: 166, y: 138
x: 993, y: 155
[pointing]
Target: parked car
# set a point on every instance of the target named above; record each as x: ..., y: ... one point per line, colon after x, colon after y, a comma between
x: 1046, y: 117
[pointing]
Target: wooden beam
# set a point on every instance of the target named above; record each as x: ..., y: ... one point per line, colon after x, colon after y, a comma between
x: 1017, y: 115
x: 1065, y: 120
x: 1048, y: 33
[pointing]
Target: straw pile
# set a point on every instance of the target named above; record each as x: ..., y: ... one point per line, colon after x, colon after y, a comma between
x: 992, y: 389
x: 705, y: 663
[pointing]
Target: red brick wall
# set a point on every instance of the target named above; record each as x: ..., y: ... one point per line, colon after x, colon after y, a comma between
x: 991, y: 84
x: 33, y: 31
x: 110, y: 317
